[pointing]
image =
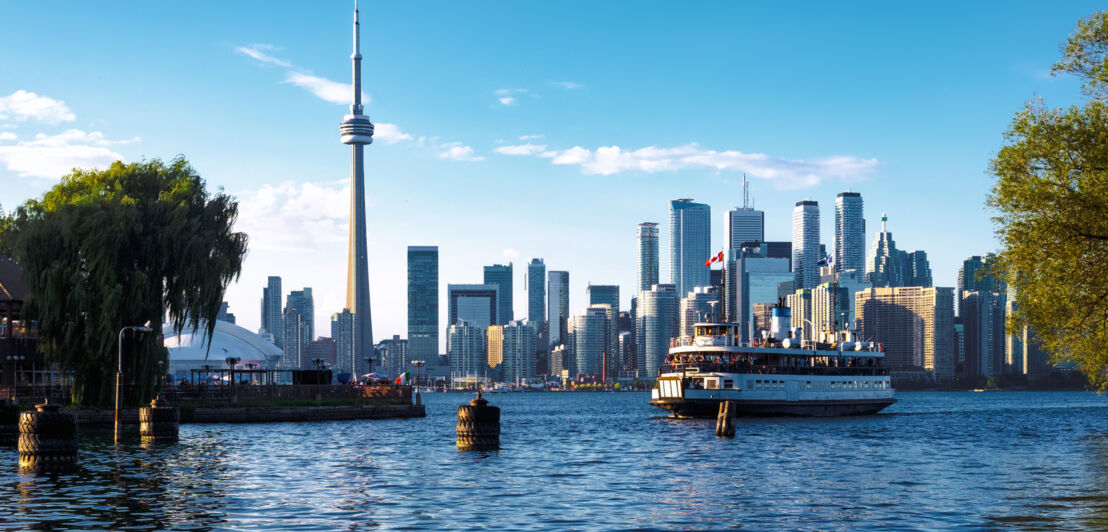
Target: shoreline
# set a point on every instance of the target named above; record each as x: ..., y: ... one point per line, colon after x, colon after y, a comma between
x: 262, y: 414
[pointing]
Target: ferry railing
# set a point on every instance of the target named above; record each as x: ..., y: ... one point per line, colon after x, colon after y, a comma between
x: 863, y: 371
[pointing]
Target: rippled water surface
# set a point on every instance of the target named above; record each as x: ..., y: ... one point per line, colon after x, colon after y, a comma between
x: 1022, y: 460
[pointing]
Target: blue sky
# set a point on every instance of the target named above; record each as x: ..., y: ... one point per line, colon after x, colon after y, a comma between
x: 513, y: 130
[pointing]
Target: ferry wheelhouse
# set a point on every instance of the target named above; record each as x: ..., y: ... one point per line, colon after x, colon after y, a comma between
x: 774, y: 376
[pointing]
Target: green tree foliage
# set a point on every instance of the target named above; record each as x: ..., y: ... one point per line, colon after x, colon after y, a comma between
x: 1052, y: 198
x: 107, y: 249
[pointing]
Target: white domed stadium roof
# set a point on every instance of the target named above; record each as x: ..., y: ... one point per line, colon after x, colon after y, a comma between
x: 189, y: 350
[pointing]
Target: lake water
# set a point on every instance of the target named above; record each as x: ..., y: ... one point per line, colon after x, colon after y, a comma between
x: 1021, y: 460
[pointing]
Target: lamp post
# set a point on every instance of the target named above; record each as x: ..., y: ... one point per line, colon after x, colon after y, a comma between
x: 418, y: 364
x: 232, y: 361
x: 119, y: 368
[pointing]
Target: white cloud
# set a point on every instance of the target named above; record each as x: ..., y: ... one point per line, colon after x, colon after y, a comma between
x: 52, y: 156
x: 7, y: 135
x: 530, y: 137
x: 23, y: 105
x: 295, y: 216
x: 787, y: 173
x: 389, y: 133
x: 511, y: 253
x: 507, y: 100
x: 258, y: 51
x: 510, y: 96
x: 457, y: 151
x: 325, y: 89
x: 522, y: 149
x: 568, y: 85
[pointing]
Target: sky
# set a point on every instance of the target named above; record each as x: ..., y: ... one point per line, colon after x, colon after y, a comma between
x: 512, y: 130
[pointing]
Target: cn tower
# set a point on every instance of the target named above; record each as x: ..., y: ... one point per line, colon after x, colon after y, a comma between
x: 357, y: 131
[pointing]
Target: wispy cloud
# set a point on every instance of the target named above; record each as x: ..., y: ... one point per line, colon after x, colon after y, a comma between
x: 24, y: 105
x: 294, y: 216
x: 510, y: 97
x: 568, y: 85
x: 258, y: 51
x: 786, y: 173
x: 325, y: 89
x: 52, y: 156
x: 511, y: 253
x: 389, y: 133
x: 530, y: 137
x: 7, y: 135
x: 456, y: 151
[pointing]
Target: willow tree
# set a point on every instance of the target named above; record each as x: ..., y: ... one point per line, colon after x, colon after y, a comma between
x: 118, y: 247
x: 1052, y: 198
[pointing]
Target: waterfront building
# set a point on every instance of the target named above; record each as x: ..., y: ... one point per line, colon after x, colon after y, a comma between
x: 423, y: 302
x: 752, y: 277
x: 658, y: 323
x: 501, y: 275
x: 518, y: 352
x: 702, y: 304
x: 806, y: 247
x: 562, y: 361
x: 589, y: 333
x: 983, y: 321
x: 225, y: 313
x: 557, y: 290
x: 831, y: 308
x: 474, y: 303
x: 535, y: 284
x: 917, y: 271
x: 959, y: 346
x: 610, y: 357
x: 850, y: 232
x: 648, y: 256
x: 853, y: 281
x: 800, y: 303
x: 346, y: 358
x: 690, y: 227
x: 273, y: 320
x: 322, y: 349
x: 468, y: 357
x: 626, y: 352
x: 191, y: 349
x: 357, y: 131
x: 914, y: 325
x: 761, y: 314
x: 494, y: 349
x: 395, y: 356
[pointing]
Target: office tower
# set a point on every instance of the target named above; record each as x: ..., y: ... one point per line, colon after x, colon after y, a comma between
x: 959, y: 346
x: 657, y: 323
x: 983, y: 322
x: 475, y: 303
x: 626, y: 353
x: 346, y: 358
x: 850, y: 232
x: 590, y: 339
x: 494, y: 349
x: 357, y: 131
x: 501, y: 275
x: 394, y: 354
x: 976, y: 274
x: 918, y: 270
x: 423, y: 302
x: 604, y: 294
x: 557, y: 290
x: 273, y: 320
x: 914, y: 325
x: 702, y: 304
x: 468, y: 362
x: 806, y: 255
x: 800, y: 303
x: 561, y: 361
x: 780, y: 250
x: 648, y: 256
x: 323, y: 350
x: 884, y: 264
x: 690, y: 230
x: 761, y: 314
x: 611, y: 337
x: 225, y: 313
x: 535, y: 284
x: 518, y: 352
x: 297, y: 338
x: 832, y: 308
x: 302, y: 301
x: 752, y: 278
x: 745, y: 224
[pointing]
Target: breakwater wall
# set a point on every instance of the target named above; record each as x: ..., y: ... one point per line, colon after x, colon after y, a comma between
x: 263, y: 414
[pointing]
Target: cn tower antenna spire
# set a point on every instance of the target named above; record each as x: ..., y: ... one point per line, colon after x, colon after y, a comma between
x: 356, y: 108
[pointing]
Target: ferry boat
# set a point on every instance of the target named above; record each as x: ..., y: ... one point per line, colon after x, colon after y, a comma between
x: 776, y: 376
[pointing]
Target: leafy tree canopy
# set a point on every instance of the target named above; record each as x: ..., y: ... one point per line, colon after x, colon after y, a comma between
x: 112, y: 248
x: 1051, y: 194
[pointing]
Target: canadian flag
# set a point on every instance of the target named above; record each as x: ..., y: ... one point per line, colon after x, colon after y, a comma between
x: 716, y: 258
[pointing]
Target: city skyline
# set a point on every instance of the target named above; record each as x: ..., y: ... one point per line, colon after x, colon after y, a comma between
x: 301, y: 187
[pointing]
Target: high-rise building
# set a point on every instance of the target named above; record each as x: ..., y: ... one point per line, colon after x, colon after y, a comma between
x: 394, y: 352
x: 357, y: 131
x: 917, y: 271
x: 832, y: 308
x: 423, y: 302
x: 800, y: 303
x: 752, y: 278
x: 561, y: 360
x: 983, y: 322
x: 806, y: 254
x: 475, y: 303
x: 346, y: 358
x: 557, y: 290
x: 700, y: 305
x: 690, y: 229
x: 501, y: 275
x: 610, y: 355
x: 977, y: 274
x: 468, y: 362
x: 761, y: 315
x: 604, y: 294
x: 535, y: 284
x: 273, y: 320
x: 850, y: 232
x: 494, y: 349
x: 589, y: 332
x: 658, y: 322
x: 302, y: 301
x: 225, y: 313
x: 608, y: 294
x: 518, y: 352
x: 322, y: 349
x: 914, y: 325
x: 297, y: 338
x: 648, y: 256
x: 745, y: 225
x: 884, y: 264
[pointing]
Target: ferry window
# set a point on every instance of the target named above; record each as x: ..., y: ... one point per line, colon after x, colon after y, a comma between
x: 807, y: 385
x: 728, y: 383
x: 749, y: 384
x: 712, y: 383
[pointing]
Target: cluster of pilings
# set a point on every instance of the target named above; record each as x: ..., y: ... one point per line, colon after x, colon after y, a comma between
x: 725, y: 420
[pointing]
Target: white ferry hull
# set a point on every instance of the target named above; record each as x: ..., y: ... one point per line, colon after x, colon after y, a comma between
x: 709, y: 407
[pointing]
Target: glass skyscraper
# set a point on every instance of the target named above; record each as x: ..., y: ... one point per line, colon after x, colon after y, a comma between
x: 473, y: 303
x: 648, y: 256
x: 423, y: 302
x: 273, y: 320
x: 558, y: 305
x: 806, y: 252
x: 501, y: 276
x: 745, y: 225
x: 658, y: 323
x: 850, y: 232
x: 535, y: 284
x: 346, y: 359
x: 690, y: 228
